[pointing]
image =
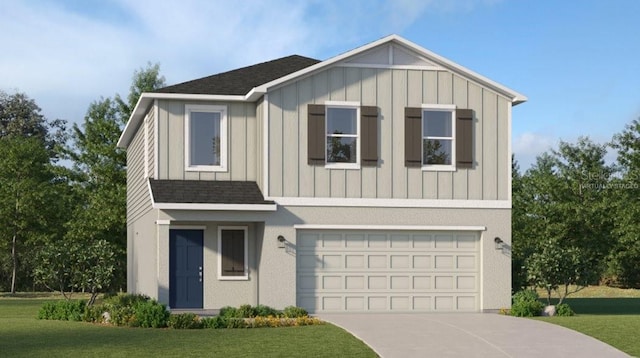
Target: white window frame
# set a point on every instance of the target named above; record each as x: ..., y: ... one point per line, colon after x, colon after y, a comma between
x: 206, y: 108
x: 245, y: 277
x: 439, y: 108
x: 349, y: 105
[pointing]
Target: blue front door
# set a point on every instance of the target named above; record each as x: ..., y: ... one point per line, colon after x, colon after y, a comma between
x: 185, y: 268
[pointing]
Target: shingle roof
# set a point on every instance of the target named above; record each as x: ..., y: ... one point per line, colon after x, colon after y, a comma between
x: 242, y: 80
x: 206, y: 192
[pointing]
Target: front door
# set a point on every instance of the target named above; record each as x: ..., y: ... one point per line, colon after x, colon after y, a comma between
x: 185, y: 268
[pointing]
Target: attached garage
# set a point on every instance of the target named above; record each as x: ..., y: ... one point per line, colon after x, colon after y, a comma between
x: 381, y: 271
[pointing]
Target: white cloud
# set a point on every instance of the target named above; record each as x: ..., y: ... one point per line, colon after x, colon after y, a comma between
x: 528, y: 145
x: 66, y: 54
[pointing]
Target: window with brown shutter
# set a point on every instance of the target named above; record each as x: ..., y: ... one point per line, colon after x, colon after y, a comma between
x: 464, y: 138
x: 369, y: 133
x: 316, y: 134
x: 232, y: 249
x: 429, y: 137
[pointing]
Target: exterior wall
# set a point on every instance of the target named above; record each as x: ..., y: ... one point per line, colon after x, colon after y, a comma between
x: 391, y: 90
x: 242, y: 139
x: 260, y: 143
x: 140, y: 227
x: 278, y: 266
x: 217, y: 293
x: 150, y: 142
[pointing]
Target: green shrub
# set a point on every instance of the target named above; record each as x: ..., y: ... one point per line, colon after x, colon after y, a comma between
x: 526, y: 304
x: 564, y: 310
x: 246, y: 311
x: 184, y: 321
x: 217, y: 322
x: 294, y: 312
x: 266, y: 311
x: 229, y: 312
x: 94, y: 314
x: 150, y: 314
x: 66, y: 310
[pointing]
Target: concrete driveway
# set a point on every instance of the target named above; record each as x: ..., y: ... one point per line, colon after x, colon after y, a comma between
x: 468, y: 335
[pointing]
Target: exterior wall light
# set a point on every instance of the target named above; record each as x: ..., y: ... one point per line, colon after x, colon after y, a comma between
x: 281, y: 241
x: 499, y: 243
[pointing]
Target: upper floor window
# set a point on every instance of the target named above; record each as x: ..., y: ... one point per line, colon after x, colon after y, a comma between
x: 437, y: 137
x: 342, y: 135
x: 206, y: 137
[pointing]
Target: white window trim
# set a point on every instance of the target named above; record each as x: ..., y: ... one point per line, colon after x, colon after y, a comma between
x: 245, y: 277
x: 343, y: 104
x: 442, y: 108
x: 188, y: 108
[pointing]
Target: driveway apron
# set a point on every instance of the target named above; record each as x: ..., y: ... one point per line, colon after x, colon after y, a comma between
x: 468, y: 335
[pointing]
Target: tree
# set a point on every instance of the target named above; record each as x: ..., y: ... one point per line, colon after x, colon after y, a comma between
x: 100, y: 167
x: 20, y: 117
x: 564, y: 198
x: 624, y: 259
x: 26, y: 196
x: 557, y: 267
x: 70, y: 266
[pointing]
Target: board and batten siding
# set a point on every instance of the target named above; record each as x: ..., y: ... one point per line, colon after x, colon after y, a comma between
x: 391, y: 90
x: 138, y: 200
x: 149, y: 124
x: 242, y: 142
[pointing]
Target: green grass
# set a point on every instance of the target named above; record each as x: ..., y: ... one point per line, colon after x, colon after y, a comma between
x: 22, y: 335
x: 608, y: 314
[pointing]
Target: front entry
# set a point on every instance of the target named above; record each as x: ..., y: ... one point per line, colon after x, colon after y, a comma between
x: 185, y: 268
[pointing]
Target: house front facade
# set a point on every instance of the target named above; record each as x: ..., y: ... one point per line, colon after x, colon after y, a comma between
x: 378, y: 180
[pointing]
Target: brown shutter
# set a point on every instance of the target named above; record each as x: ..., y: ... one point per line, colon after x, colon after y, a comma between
x: 316, y: 134
x: 412, y: 137
x: 369, y: 134
x: 232, y: 254
x: 464, y: 138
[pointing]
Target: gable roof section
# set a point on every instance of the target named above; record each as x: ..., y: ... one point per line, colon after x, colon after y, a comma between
x: 208, y: 195
x: 250, y: 83
x: 239, y: 82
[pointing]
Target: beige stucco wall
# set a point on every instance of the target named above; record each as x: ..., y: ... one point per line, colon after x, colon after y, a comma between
x: 276, y: 267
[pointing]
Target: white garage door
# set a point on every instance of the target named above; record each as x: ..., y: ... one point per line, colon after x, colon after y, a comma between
x: 377, y: 271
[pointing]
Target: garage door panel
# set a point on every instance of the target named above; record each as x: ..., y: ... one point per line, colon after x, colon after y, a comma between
x: 380, y: 271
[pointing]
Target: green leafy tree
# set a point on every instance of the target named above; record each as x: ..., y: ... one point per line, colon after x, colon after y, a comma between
x: 624, y: 259
x: 100, y: 167
x: 564, y: 197
x: 560, y: 268
x: 26, y: 198
x: 69, y: 266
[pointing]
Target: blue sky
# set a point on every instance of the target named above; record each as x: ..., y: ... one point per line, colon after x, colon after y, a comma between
x: 577, y: 61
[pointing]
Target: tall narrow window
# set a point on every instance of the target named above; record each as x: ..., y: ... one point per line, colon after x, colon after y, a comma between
x: 437, y: 137
x: 342, y: 135
x: 206, y: 138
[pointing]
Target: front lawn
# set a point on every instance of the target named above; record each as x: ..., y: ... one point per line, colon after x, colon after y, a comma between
x: 614, y: 320
x: 22, y: 335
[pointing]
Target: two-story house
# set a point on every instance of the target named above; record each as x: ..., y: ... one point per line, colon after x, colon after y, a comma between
x: 376, y: 180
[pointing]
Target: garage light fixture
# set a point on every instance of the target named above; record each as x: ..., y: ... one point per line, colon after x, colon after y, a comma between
x: 499, y: 243
x: 281, y: 241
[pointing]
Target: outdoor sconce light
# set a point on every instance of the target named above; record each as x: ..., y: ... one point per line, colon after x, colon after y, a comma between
x: 281, y: 241
x: 499, y: 243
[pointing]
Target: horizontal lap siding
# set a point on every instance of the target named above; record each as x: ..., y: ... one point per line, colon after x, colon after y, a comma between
x: 138, y: 200
x: 242, y: 142
x: 391, y: 91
